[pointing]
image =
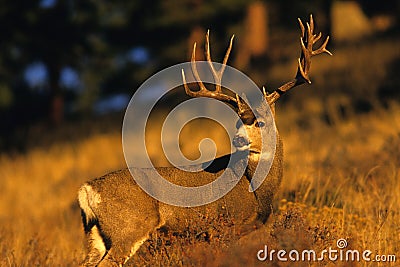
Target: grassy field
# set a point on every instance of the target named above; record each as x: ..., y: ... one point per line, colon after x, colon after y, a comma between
x: 341, y: 179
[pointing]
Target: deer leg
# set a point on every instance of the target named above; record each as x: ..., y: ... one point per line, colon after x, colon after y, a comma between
x: 96, y: 248
x: 121, y: 253
x: 128, y: 232
x: 123, y: 249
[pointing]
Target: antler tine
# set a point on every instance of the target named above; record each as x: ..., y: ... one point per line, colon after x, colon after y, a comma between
x: 217, y: 94
x: 307, y: 41
x: 217, y: 78
x: 196, y: 75
x: 271, y: 98
x: 322, y: 49
x: 217, y: 74
x: 314, y: 38
x: 228, y: 51
x: 194, y: 70
x: 311, y: 25
x: 305, y: 57
x: 187, y: 90
x: 317, y: 37
x: 301, y: 26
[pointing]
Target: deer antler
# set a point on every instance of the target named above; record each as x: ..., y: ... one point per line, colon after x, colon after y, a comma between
x: 204, y: 92
x: 307, y: 41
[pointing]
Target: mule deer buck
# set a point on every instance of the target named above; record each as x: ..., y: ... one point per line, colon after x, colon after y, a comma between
x: 118, y: 216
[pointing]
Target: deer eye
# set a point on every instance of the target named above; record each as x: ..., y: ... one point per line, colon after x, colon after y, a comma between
x: 238, y: 124
x: 260, y: 124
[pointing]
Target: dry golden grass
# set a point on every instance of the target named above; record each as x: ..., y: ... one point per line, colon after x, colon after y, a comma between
x: 342, y: 180
x: 38, y: 211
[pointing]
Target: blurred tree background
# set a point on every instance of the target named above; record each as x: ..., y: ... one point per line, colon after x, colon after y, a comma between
x: 63, y: 60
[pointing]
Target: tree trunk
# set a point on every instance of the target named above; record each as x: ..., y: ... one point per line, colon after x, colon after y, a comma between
x: 256, y: 35
x: 197, y: 36
x: 56, y: 110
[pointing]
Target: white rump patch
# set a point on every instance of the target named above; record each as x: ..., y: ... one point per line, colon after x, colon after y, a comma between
x: 88, y: 200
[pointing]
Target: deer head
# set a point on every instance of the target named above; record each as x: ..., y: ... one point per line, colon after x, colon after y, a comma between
x: 248, y: 134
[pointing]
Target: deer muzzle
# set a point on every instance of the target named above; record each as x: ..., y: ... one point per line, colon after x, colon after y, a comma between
x: 241, y: 143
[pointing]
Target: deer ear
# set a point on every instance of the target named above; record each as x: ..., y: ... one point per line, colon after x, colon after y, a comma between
x: 244, y: 111
x: 265, y: 106
x: 242, y: 104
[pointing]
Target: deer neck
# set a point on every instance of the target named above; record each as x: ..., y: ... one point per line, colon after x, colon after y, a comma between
x: 265, y: 192
x: 254, y: 159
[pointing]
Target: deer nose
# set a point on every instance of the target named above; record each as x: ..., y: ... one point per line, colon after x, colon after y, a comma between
x: 240, y: 141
